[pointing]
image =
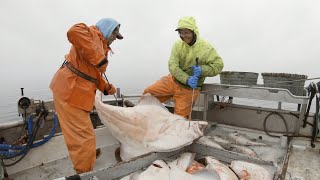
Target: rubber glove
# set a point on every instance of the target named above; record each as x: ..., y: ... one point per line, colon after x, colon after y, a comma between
x: 193, y: 81
x: 109, y: 90
x: 197, y: 71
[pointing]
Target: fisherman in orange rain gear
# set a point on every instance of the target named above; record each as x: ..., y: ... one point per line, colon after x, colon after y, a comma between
x: 192, y: 60
x: 74, y: 86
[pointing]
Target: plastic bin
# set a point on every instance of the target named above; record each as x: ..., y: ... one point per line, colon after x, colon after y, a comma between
x: 239, y: 78
x: 293, y: 82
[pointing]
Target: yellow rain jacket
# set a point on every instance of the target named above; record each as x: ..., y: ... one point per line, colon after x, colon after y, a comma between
x: 183, y: 56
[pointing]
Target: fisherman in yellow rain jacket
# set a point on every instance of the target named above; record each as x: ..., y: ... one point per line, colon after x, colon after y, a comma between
x: 192, y: 60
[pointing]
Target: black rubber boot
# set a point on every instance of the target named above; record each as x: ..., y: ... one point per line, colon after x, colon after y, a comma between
x: 98, y: 153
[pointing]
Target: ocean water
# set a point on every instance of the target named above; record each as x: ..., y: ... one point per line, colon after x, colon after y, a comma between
x: 9, y: 101
x: 38, y: 91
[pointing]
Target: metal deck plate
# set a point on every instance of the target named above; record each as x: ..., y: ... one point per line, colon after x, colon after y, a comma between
x: 304, y: 161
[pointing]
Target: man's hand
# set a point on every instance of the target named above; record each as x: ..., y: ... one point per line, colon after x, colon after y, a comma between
x: 193, y: 81
x: 109, y: 90
x: 197, y: 71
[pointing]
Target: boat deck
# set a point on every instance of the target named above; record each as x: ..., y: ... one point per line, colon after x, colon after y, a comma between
x: 304, y: 161
x: 51, y: 161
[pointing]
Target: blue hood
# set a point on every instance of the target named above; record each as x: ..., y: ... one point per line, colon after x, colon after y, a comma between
x: 106, y: 26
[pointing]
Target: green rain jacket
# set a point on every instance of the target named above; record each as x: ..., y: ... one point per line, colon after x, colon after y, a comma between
x: 183, y: 56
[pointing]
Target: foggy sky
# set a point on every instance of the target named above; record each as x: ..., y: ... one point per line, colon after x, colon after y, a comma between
x: 250, y: 35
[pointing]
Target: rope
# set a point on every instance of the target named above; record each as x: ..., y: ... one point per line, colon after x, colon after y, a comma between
x: 265, y: 124
x: 315, y: 129
x: 190, y: 118
x: 115, y: 97
x: 191, y: 106
x: 311, y: 93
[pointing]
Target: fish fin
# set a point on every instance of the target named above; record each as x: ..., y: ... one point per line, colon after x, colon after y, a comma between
x: 148, y: 99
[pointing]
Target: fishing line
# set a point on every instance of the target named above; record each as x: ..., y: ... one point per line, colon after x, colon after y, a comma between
x: 113, y: 94
x: 191, y: 108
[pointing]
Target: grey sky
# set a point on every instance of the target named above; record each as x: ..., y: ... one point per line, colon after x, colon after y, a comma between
x: 250, y: 35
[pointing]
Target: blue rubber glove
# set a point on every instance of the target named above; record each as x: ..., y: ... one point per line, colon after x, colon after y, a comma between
x: 193, y: 81
x: 197, y: 71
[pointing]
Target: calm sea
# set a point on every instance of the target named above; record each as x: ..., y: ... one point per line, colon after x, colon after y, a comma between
x: 9, y: 101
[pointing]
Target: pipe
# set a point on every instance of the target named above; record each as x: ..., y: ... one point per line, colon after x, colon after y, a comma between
x: 13, y: 124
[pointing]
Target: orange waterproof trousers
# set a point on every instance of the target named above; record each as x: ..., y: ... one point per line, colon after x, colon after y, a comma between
x: 78, y: 134
x: 167, y: 88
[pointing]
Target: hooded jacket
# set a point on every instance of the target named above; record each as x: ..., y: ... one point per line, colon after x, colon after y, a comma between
x: 183, y: 56
x: 89, y: 48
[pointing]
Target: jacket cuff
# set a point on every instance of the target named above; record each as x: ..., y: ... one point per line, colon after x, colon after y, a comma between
x: 102, y: 62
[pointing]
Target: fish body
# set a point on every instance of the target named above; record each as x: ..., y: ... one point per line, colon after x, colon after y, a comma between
x: 195, y: 167
x: 159, y: 170
x: 185, y: 160
x: 219, y: 139
x: 243, y: 150
x: 209, y: 142
x: 246, y: 170
x: 205, y: 174
x: 239, y: 139
x: 147, y: 127
x: 224, y: 172
x: 186, y: 163
x: 224, y: 144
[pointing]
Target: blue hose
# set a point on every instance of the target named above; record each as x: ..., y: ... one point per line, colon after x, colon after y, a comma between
x: 53, y: 131
x: 8, y: 150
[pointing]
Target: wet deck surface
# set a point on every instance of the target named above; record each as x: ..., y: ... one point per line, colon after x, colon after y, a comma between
x: 304, y: 162
x: 51, y: 160
x: 38, y: 164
